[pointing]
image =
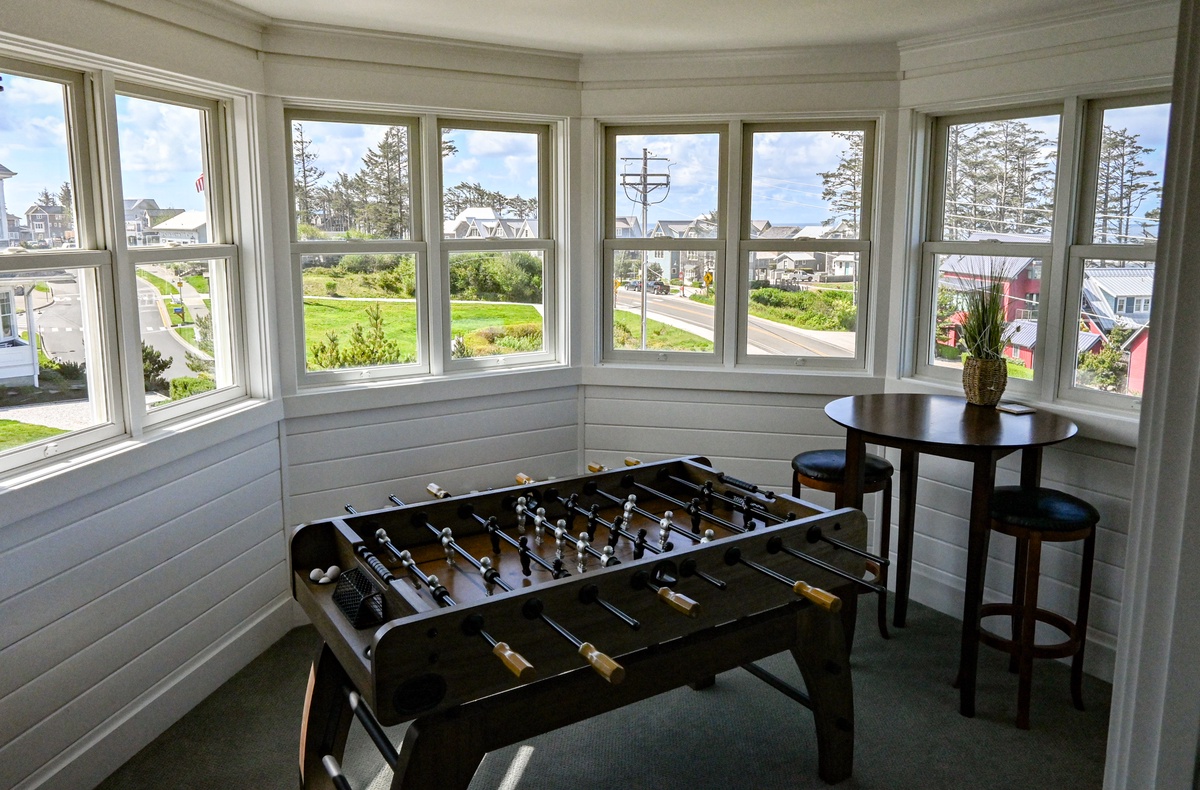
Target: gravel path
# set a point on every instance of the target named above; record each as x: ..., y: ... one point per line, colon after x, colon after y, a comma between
x: 68, y: 415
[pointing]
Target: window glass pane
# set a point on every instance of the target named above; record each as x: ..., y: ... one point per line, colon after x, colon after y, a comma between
x: 48, y: 390
x: 666, y: 186
x: 999, y: 179
x: 162, y: 172
x: 802, y: 303
x: 37, y: 207
x: 806, y: 185
x: 496, y: 305
x: 180, y: 311
x: 1133, y: 149
x: 664, y: 316
x: 351, y: 180
x: 359, y: 310
x: 490, y: 183
x: 1114, y: 326
x: 1019, y: 279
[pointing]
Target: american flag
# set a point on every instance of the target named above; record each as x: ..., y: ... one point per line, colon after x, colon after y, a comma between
x: 200, y: 183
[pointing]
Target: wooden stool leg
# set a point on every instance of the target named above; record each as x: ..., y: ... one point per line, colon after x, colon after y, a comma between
x: 1028, y: 630
x: 326, y: 721
x: 885, y: 539
x: 1020, y: 568
x: 1081, y: 619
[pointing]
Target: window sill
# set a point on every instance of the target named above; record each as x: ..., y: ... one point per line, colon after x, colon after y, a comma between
x: 26, y: 492
x: 791, y: 381
x: 318, y: 401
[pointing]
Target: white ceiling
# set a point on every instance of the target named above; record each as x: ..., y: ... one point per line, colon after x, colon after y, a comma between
x: 653, y: 26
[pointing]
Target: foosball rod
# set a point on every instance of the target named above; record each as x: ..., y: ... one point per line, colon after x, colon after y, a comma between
x: 373, y: 728
x: 823, y: 599
x: 708, y: 491
x: 775, y: 545
x: 605, y: 666
x: 493, y: 528
x: 611, y: 526
x: 815, y: 534
x: 335, y: 773
x: 513, y: 660
x: 591, y: 488
x: 704, y: 514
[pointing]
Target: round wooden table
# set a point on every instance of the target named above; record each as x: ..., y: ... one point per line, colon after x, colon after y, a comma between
x: 950, y: 427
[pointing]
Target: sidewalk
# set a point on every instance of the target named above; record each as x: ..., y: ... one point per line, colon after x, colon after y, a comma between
x: 68, y: 415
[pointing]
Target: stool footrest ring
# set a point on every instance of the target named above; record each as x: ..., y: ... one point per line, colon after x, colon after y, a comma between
x: 1069, y: 647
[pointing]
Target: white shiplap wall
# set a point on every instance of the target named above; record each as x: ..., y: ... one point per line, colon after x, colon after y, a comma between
x: 359, y: 458
x: 122, y: 608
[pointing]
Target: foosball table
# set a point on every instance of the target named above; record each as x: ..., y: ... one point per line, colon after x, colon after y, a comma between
x: 462, y: 612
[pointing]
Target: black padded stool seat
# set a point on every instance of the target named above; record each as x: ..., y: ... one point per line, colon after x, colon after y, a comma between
x: 825, y: 470
x: 1034, y: 516
x: 830, y: 466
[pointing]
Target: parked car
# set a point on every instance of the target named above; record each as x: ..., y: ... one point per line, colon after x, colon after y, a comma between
x: 658, y: 287
x: 633, y: 285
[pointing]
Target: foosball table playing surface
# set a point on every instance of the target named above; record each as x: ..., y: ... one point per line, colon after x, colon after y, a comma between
x: 475, y: 616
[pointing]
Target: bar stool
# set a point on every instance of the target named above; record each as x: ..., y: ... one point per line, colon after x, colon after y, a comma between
x: 825, y: 470
x: 1034, y: 516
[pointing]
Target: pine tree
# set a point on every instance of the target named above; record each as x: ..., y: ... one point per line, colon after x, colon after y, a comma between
x: 44, y: 198
x: 843, y: 185
x: 1123, y: 184
x: 305, y: 174
x: 385, y: 182
x: 68, y: 204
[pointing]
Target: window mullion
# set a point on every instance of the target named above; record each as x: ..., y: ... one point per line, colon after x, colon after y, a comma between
x: 436, y: 291
x: 733, y: 336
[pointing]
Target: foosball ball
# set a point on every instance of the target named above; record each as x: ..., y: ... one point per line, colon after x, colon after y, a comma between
x: 474, y: 616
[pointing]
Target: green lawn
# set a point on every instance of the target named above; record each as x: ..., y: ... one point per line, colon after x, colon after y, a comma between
x: 197, y: 281
x: 322, y: 316
x: 15, y: 434
x: 627, y: 333
x: 466, y: 317
x: 164, y: 287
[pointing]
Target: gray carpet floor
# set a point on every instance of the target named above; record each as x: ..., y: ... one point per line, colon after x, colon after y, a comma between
x: 739, y: 734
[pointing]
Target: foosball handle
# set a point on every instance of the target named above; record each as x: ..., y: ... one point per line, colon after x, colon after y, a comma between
x: 515, y: 662
x: 594, y: 467
x: 437, y: 490
x: 827, y: 601
x: 608, y: 669
x: 679, y: 602
x: 631, y: 461
x: 524, y: 479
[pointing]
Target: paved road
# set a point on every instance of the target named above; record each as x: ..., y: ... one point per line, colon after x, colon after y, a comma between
x: 766, y: 337
x: 60, y: 324
x: 156, y: 333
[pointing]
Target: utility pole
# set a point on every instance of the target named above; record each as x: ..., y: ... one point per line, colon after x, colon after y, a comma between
x: 638, y: 186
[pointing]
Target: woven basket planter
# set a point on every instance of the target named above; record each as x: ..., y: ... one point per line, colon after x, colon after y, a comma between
x: 984, y: 380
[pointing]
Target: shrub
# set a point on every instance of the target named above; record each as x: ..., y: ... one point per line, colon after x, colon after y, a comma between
x: 187, y: 386
x: 331, y: 288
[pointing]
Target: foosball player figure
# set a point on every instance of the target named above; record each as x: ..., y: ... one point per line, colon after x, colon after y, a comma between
x: 489, y: 574
x: 523, y: 553
x: 639, y: 545
x: 608, y: 558
x: 581, y: 547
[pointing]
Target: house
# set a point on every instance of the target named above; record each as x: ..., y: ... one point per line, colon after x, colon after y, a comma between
x: 187, y: 227
x: 49, y: 225
x: 137, y: 579
x: 18, y: 358
x: 5, y: 227
x: 141, y: 215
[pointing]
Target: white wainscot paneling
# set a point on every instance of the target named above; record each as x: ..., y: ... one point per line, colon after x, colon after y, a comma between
x: 109, y: 604
x: 361, y: 457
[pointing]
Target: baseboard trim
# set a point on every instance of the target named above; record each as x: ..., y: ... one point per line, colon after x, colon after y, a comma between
x: 90, y: 760
x: 1099, y: 659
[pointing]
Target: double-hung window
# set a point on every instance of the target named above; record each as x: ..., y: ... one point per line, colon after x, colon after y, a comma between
x: 117, y: 275
x: 801, y: 237
x: 1060, y: 205
x: 424, y: 245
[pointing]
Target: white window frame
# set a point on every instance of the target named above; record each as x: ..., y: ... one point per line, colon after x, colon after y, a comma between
x: 545, y: 243
x: 717, y: 245
x: 416, y: 246
x: 861, y: 246
x: 1048, y: 253
x: 217, y: 141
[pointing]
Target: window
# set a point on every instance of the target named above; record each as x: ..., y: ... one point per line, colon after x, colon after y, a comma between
x: 802, y: 243
x: 366, y: 244
x: 1008, y: 205
x: 66, y: 283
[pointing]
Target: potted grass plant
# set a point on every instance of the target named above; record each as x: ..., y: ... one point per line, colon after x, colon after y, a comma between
x: 984, y: 335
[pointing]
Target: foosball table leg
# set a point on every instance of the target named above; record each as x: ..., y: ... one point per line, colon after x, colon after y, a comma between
x: 824, y: 663
x: 849, y: 615
x: 326, y: 721
x: 439, y: 752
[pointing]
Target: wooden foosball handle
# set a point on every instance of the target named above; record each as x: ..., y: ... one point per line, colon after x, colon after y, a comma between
x: 515, y: 662
x: 524, y: 479
x: 631, y: 461
x: 610, y: 670
x: 679, y: 602
x: 594, y: 467
x: 827, y: 601
x: 437, y: 490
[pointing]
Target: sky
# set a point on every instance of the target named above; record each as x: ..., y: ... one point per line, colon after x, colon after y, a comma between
x: 161, y: 157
